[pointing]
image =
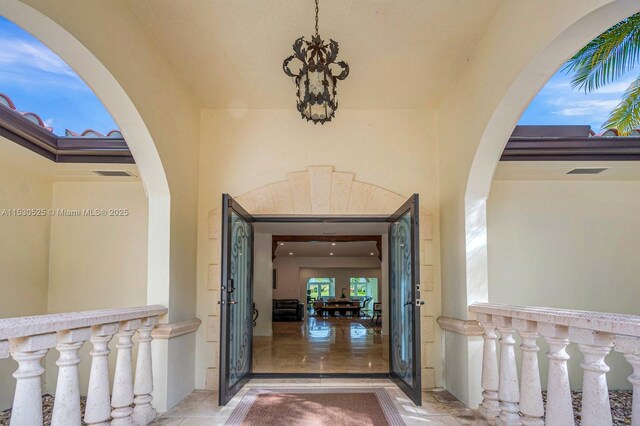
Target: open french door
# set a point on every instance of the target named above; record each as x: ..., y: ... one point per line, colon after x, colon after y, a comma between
x: 236, y: 299
x: 404, y: 299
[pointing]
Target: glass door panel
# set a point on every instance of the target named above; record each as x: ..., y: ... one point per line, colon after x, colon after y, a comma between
x: 236, y: 299
x: 404, y: 325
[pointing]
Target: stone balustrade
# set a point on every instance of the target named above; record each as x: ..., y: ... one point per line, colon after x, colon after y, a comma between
x: 509, y: 401
x: 28, y: 339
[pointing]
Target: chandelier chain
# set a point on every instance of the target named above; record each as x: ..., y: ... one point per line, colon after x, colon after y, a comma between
x: 317, y: 10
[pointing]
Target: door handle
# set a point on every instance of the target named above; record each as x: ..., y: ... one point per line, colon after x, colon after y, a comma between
x: 232, y: 302
x: 230, y: 287
x: 419, y: 302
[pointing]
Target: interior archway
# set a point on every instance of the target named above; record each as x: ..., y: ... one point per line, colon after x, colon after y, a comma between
x: 124, y: 112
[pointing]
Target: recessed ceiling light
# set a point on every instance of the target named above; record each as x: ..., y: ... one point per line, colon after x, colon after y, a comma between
x: 371, y: 254
x: 333, y: 244
x: 281, y: 244
x: 290, y: 254
x: 330, y: 254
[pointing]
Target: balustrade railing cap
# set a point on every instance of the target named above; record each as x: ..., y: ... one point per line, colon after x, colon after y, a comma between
x: 11, y: 328
x: 623, y: 324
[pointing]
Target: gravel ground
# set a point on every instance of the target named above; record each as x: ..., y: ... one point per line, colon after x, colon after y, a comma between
x: 47, y: 410
x: 620, y: 406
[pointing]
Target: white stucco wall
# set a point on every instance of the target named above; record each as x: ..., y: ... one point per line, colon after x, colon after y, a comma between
x: 293, y: 273
x: 96, y: 262
x: 24, y: 254
x: 570, y: 244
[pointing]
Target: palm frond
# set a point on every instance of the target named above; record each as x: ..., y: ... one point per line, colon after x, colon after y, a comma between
x: 626, y: 116
x: 607, y: 57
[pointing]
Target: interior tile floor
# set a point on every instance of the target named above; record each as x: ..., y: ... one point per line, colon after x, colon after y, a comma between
x: 322, y: 345
x: 439, y: 407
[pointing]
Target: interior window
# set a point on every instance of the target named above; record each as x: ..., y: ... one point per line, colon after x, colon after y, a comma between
x: 364, y: 287
x: 321, y: 288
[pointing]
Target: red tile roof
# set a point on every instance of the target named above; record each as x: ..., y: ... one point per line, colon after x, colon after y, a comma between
x: 35, y: 118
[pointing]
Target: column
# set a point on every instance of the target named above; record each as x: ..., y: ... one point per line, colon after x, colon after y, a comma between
x: 489, y: 408
x: 66, y: 407
x: 596, y: 409
x: 630, y: 348
x: 98, y: 410
x: 27, y: 400
x: 143, y: 411
x: 508, y: 391
x: 122, y: 396
x: 531, y: 405
x: 559, y: 405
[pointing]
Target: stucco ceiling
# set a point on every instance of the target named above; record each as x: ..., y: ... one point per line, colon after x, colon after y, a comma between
x: 325, y: 249
x: 320, y: 228
x: 402, y: 53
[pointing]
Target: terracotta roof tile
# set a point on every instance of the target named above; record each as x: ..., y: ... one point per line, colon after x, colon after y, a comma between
x: 35, y: 118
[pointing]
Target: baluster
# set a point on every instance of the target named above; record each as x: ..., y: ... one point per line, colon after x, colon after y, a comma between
x: 27, y: 400
x: 143, y: 412
x: 559, y: 406
x: 98, y: 410
x: 531, y: 405
x: 508, y: 391
x: 490, y: 407
x: 596, y: 409
x: 122, y: 397
x: 630, y: 348
x: 66, y: 407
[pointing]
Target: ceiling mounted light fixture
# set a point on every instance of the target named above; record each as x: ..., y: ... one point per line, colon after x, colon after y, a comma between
x: 317, y: 78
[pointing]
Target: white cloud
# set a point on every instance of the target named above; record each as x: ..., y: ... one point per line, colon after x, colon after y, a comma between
x: 617, y: 88
x: 30, y: 62
x: 588, y: 107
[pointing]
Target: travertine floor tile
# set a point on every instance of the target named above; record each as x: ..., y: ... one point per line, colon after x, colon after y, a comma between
x: 322, y: 345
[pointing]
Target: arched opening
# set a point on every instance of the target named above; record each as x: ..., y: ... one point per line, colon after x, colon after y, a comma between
x: 140, y: 142
x: 125, y: 114
x: 502, y: 122
x: 494, y: 137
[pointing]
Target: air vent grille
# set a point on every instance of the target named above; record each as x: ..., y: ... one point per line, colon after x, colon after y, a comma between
x: 112, y: 173
x: 590, y: 171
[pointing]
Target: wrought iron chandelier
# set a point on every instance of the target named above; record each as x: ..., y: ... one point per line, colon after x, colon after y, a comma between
x: 317, y: 77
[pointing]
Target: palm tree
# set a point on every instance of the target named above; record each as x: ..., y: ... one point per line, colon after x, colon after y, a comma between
x: 605, y: 59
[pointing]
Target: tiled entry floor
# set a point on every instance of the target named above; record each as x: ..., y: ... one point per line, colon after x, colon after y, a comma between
x: 438, y: 407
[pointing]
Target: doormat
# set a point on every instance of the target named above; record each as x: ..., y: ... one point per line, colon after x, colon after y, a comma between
x: 316, y: 406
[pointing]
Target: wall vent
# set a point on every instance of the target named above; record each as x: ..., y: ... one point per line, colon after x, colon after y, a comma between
x: 112, y: 173
x: 591, y: 171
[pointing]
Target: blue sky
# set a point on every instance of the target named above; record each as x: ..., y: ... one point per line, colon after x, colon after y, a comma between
x: 38, y: 81
x: 558, y: 103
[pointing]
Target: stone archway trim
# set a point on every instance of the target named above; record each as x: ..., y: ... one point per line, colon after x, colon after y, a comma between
x: 317, y: 191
